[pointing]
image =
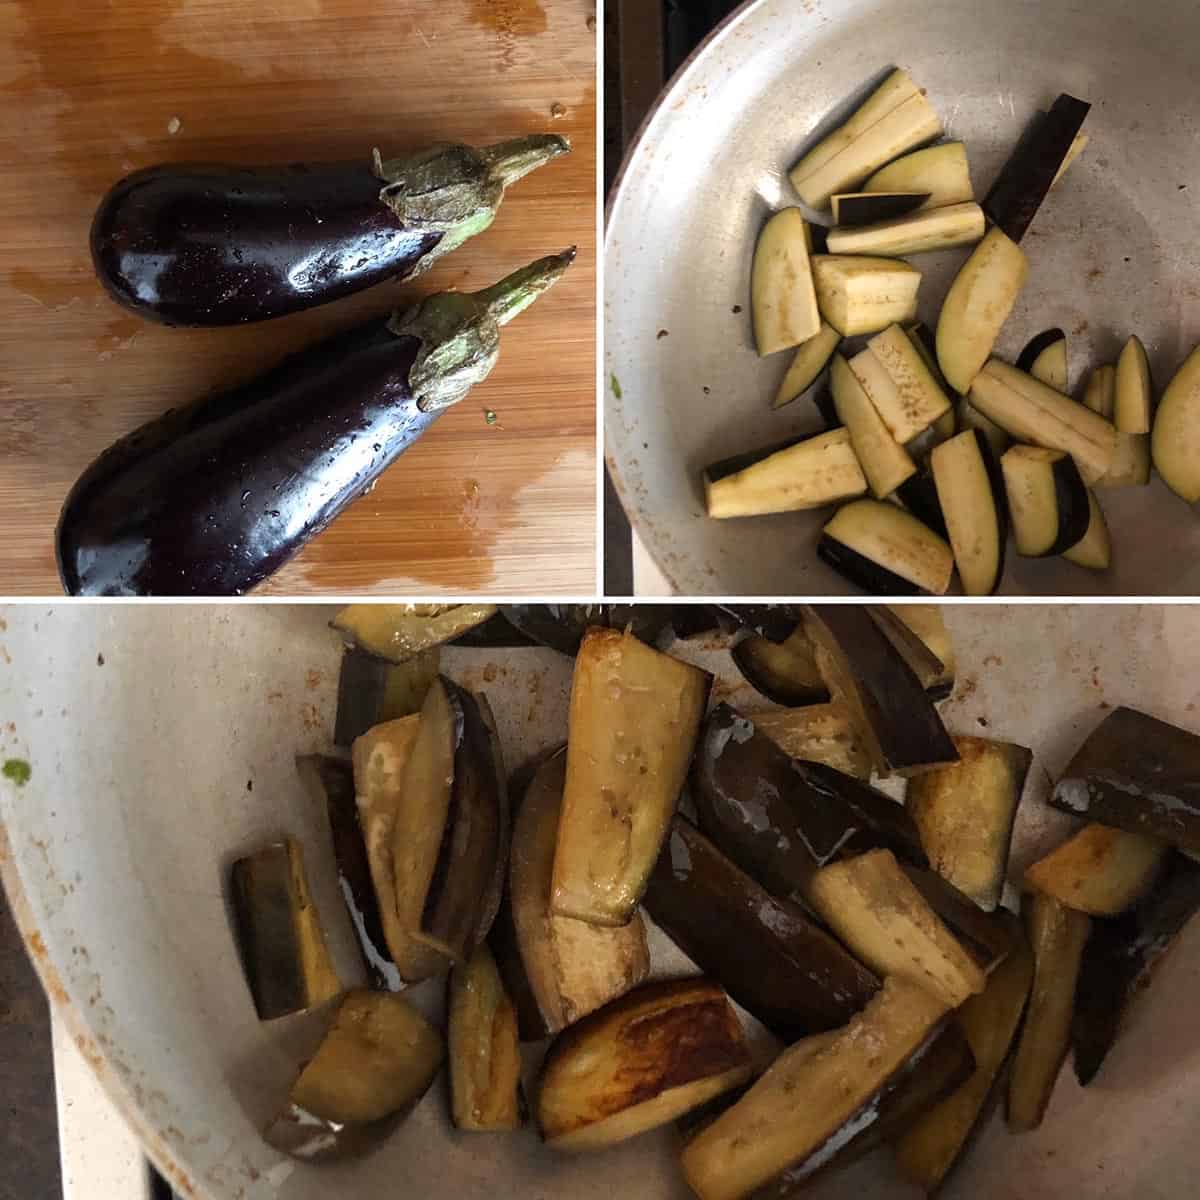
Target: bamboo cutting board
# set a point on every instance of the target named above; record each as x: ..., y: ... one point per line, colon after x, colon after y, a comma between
x: 91, y: 92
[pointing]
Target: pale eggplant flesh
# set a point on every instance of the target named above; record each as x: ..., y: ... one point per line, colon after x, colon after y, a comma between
x: 784, y: 672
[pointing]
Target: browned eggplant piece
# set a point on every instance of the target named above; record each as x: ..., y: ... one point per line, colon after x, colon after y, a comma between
x: 902, y: 727
x: 823, y: 733
x: 398, y: 632
x: 771, y: 958
x: 784, y: 672
x: 639, y: 1063
x: 330, y: 781
x: 1139, y: 774
x: 965, y: 814
x: 981, y: 934
x: 633, y: 721
x: 485, y: 1051
x: 808, y: 1104
x: 776, y: 622
x: 923, y: 662
x: 279, y: 934
x: 1120, y: 959
x: 572, y: 967
x: 928, y: 623
x: 562, y: 626
x: 372, y: 691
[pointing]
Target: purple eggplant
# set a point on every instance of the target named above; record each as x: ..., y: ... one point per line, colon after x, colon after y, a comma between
x: 210, y: 499
x: 198, y: 244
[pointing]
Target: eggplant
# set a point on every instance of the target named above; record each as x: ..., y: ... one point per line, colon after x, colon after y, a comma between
x: 971, y: 495
x: 199, y: 244
x: 640, y: 1062
x: 1139, y: 774
x: 785, y: 672
x: 885, y: 550
x: 210, y: 499
x: 1045, y: 358
x: 823, y: 733
x: 926, y: 346
x: 854, y: 209
x: 928, y: 622
x: 919, y: 496
x: 969, y: 417
x: 279, y: 936
x: 1133, y: 406
x: 1100, y: 394
x: 935, y: 676
x: 783, y: 303
x: 1130, y: 465
x: 808, y: 1104
x: 1120, y: 960
x: 940, y: 170
x: 775, y: 622
x: 633, y: 722
x: 1094, y: 549
x: 979, y: 933
x: 1175, y: 438
x: 1047, y: 500
x: 372, y: 691
x: 399, y: 632
x: 857, y: 293
x: 809, y: 361
x: 562, y: 626
x: 884, y: 462
x: 1079, y: 144
x: 917, y: 233
x: 900, y: 385
x: 772, y: 959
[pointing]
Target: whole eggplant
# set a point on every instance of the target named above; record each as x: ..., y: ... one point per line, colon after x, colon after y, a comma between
x: 210, y: 499
x: 198, y: 244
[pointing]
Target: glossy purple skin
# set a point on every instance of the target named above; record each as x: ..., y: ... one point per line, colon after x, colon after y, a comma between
x: 194, y: 244
x: 210, y: 499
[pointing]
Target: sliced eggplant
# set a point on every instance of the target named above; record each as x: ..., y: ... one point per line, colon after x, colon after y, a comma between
x: 1078, y: 145
x: 917, y: 233
x: 1045, y: 358
x: 1094, y: 549
x: 1100, y: 870
x: 1134, y: 400
x: 1120, y: 959
x: 941, y: 170
x: 884, y: 462
x: 895, y: 118
x: 822, y: 733
x: 773, y: 960
x: 506, y: 950
x: 640, y: 1062
x: 808, y: 473
x: 1057, y: 935
x: 969, y: 417
x: 398, y: 632
x: 932, y: 673
x: 1030, y: 172
x: 1100, y: 394
x: 885, y: 550
x: 1047, y: 500
x: 807, y: 1105
x: 977, y: 305
x: 485, y: 1051
x: 919, y: 496
x: 573, y: 968
x: 903, y: 728
x: 562, y: 626
x: 634, y: 718
x: 860, y: 294
x: 1130, y: 466
x: 918, y: 332
x: 826, y: 409
x: 980, y: 934
x: 971, y: 495
x: 853, y: 209
x: 929, y: 624
x: 783, y: 302
x: 372, y: 691
x: 784, y: 672
x: 965, y: 813
x: 903, y: 389
x: 1139, y: 774
x: 1175, y: 441
x: 282, y: 945
x: 810, y: 360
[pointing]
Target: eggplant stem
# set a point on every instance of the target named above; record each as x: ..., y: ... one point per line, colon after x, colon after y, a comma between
x: 512, y: 160
x: 516, y: 292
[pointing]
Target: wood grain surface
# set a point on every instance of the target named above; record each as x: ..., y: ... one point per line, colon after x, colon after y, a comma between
x: 89, y: 92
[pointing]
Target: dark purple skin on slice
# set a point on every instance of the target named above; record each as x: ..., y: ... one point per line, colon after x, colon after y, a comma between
x: 920, y: 497
x: 862, y: 571
x: 1074, y: 511
x: 999, y: 498
x: 823, y: 399
x: 764, y: 677
x: 871, y: 207
x: 982, y: 935
x: 739, y: 462
x: 1036, y: 345
x: 775, y: 622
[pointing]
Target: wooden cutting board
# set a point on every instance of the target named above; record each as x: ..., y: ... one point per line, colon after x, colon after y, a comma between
x: 89, y: 92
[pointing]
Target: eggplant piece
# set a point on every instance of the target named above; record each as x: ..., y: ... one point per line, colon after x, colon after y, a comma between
x: 929, y: 1149
x: 969, y: 417
x: 279, y: 936
x: 1139, y: 774
x: 1120, y: 959
x: 917, y: 233
x: 1057, y: 935
x: 1045, y: 358
x: 971, y: 495
x: 1130, y: 462
x: 372, y: 691
x: 201, y: 244
x: 810, y: 360
x: 639, y: 1063
x: 1130, y: 466
x: 1133, y: 407
x: 496, y: 633
x: 854, y: 209
x: 896, y: 117
x: 1079, y: 144
x: 885, y: 550
x: 1101, y: 871
x: 980, y: 934
x: 977, y: 305
x: 857, y: 293
x: 397, y: 633
x: 485, y: 1051
x: 926, y: 346
x: 919, y: 496
x: 1100, y: 394
x: 1030, y: 173
x: 941, y: 170
x: 784, y: 672
x: 1094, y: 549
x: 805, y: 473
x: 775, y: 622
x: 903, y: 729
x: 783, y: 303
x: 808, y: 1104
x: 928, y: 623
x: 634, y: 718
x: 931, y: 672
x: 822, y: 733
x: 826, y: 409
x: 503, y: 943
x: 965, y: 814
x: 562, y: 626
x: 573, y: 968
x: 885, y: 463
x: 1175, y: 439
x: 1047, y: 500
x: 900, y: 385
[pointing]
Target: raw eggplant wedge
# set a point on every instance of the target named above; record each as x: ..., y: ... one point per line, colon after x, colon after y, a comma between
x: 940, y: 170
x: 398, y: 632
x: 783, y: 303
x: 905, y: 392
x: 484, y: 1048
x: 809, y: 361
x: 896, y: 117
x: 562, y: 626
x: 979, y: 933
x: 903, y: 729
x: 373, y: 691
x: 633, y: 722
x: 640, y: 1062
x: 808, y: 473
x: 773, y: 959
x: 1078, y: 145
x: 1045, y: 358
x: 573, y: 968
x: 330, y: 781
x: 1100, y: 870
x: 930, y: 671
x: 916, y: 233
x: 1139, y: 774
x: 785, y: 672
x: 1094, y: 549
x: 965, y: 814
x: 1133, y: 407
x: 1130, y: 465
x: 971, y: 496
x: 884, y: 462
x: 279, y: 936
x: 919, y: 496
x: 1057, y: 935
x: 885, y: 922
x: 1047, y: 500
x: 969, y: 417
x: 1100, y: 394
x: 934, y: 1143
x: 861, y: 294
x: 885, y: 550
x: 822, y: 733
x: 853, y: 209
x: 977, y: 305
x: 809, y: 1103
x: 1175, y: 438
x: 928, y: 623
x: 1120, y: 959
